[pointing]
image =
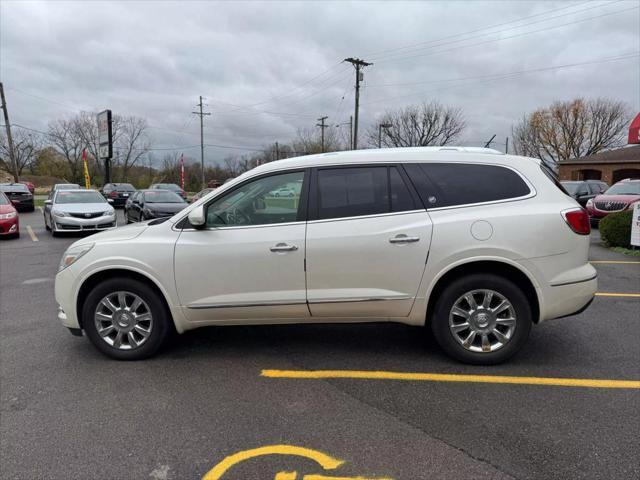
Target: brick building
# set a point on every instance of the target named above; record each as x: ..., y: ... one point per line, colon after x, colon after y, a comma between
x: 610, y: 166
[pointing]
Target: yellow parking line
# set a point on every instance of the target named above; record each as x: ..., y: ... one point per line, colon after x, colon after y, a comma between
x: 31, y: 234
x: 440, y: 377
x: 41, y: 210
x: 604, y: 294
x: 614, y: 262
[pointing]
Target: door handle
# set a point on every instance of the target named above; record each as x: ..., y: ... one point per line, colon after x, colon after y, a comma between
x: 402, y: 238
x: 283, y: 247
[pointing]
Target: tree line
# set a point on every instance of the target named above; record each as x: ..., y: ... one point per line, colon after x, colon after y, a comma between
x: 560, y: 131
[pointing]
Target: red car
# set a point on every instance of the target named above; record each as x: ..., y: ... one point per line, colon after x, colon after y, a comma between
x: 621, y: 196
x: 9, y: 220
x: 29, y: 185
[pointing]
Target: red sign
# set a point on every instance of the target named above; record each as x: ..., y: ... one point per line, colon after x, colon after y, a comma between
x: 634, y: 131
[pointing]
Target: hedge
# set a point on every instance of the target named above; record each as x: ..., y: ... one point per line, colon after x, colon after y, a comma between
x: 615, y: 229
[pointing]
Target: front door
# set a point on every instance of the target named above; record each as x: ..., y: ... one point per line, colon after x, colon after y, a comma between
x: 367, y: 243
x: 248, y: 262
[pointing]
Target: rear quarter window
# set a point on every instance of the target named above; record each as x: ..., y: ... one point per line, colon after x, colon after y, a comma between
x: 451, y: 184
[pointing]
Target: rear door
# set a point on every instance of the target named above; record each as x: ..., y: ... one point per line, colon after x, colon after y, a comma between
x: 367, y: 242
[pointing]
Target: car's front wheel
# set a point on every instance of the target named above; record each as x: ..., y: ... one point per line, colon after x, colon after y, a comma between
x: 482, y: 319
x: 125, y: 319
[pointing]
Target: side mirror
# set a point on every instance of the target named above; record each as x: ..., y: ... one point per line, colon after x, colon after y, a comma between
x: 196, y: 217
x: 110, y: 200
x: 48, y: 202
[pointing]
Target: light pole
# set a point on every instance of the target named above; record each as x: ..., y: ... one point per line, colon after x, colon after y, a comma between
x: 380, y: 127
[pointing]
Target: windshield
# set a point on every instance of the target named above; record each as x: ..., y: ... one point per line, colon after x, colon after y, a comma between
x: 125, y: 187
x: 84, y: 196
x: 67, y: 186
x: 624, y: 188
x: 168, y: 186
x: 14, y: 188
x: 571, y: 187
x: 162, y: 196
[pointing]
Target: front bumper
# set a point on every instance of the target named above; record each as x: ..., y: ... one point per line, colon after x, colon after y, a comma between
x: 72, y: 224
x: 9, y: 227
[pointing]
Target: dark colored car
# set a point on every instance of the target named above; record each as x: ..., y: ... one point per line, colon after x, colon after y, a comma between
x: 147, y: 204
x: 169, y: 186
x: 19, y: 195
x: 118, y: 192
x: 201, y: 194
x: 9, y: 220
x: 584, y: 190
x: 621, y: 196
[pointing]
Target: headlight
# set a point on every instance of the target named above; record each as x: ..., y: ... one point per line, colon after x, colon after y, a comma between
x: 58, y: 213
x: 7, y: 216
x: 631, y: 205
x: 109, y: 213
x: 72, y: 255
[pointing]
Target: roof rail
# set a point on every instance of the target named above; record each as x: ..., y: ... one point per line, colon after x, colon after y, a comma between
x: 490, y: 151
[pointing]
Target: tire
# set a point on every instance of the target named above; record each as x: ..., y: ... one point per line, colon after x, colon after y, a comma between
x: 159, y: 327
x: 485, y: 323
x: 54, y: 232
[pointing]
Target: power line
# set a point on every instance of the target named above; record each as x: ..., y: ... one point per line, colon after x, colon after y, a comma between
x: 412, y: 48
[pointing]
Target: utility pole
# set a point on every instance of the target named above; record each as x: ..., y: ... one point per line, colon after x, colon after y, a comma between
x: 322, y: 126
x: 380, y: 127
x: 488, y: 144
x: 277, y: 151
x: 506, y: 145
x: 351, y: 132
x: 201, y: 114
x: 12, y: 152
x: 358, y: 64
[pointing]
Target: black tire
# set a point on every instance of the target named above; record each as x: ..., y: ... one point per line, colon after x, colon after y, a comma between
x: 457, y: 288
x: 161, y: 318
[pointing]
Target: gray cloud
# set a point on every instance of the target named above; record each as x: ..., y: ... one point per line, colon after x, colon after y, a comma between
x: 153, y: 59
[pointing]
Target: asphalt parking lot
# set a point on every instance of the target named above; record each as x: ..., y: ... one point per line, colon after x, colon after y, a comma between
x: 67, y: 412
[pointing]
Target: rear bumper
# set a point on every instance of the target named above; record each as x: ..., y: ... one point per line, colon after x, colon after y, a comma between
x: 570, y: 298
x: 23, y: 205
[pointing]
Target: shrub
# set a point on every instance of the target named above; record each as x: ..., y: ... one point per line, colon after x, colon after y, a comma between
x: 615, y: 229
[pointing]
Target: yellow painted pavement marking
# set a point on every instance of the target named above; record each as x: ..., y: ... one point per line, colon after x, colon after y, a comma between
x: 41, y: 210
x: 605, y: 294
x: 615, y: 262
x: 440, y: 377
x: 31, y: 234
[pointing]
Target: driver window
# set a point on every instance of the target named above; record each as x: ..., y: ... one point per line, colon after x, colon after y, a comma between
x: 268, y: 200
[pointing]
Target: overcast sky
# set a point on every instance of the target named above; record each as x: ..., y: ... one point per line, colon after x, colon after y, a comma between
x: 269, y: 68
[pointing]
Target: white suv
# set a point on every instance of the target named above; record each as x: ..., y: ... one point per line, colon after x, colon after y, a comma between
x: 475, y: 244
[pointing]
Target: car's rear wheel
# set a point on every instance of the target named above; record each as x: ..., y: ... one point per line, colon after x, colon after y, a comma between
x: 482, y: 319
x: 125, y: 319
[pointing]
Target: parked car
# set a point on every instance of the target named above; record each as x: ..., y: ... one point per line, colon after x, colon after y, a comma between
x: 621, y: 196
x: 584, y: 190
x: 283, y: 192
x: 172, y: 187
x: 9, y: 219
x: 118, y: 192
x: 201, y: 194
x: 30, y: 186
x: 148, y: 204
x: 477, y: 245
x: 65, y: 186
x: 19, y: 195
x: 78, y: 211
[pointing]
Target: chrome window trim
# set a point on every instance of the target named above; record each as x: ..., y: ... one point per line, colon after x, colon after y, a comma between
x: 237, y: 227
x: 374, y: 215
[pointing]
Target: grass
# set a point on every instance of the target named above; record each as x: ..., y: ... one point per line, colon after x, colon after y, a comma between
x: 39, y: 202
x: 626, y: 251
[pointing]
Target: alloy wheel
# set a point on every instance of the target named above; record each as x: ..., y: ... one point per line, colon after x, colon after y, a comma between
x: 123, y: 320
x: 482, y: 321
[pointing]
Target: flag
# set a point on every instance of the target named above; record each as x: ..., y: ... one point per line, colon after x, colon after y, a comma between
x: 87, y: 179
x: 182, y: 171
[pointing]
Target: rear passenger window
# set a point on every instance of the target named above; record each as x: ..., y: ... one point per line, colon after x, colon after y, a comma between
x: 463, y: 183
x: 350, y: 192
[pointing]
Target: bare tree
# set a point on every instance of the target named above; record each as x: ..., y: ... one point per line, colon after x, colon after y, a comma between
x: 418, y: 126
x: 132, y: 142
x: 572, y: 129
x: 65, y: 139
x: 308, y: 141
x: 25, y: 145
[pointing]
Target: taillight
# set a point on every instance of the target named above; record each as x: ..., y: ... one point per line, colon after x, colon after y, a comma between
x: 578, y: 220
